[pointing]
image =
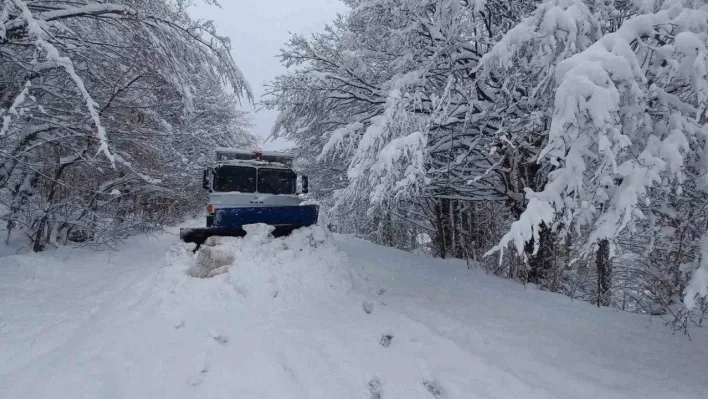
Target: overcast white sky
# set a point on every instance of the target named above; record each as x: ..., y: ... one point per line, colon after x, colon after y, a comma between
x: 258, y: 30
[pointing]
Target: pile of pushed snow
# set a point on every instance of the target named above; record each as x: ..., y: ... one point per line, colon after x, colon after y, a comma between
x: 263, y: 268
x: 211, y: 260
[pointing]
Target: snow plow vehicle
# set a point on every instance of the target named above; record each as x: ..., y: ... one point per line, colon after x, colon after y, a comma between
x: 250, y: 187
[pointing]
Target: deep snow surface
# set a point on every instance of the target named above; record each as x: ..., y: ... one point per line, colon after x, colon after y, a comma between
x: 305, y: 317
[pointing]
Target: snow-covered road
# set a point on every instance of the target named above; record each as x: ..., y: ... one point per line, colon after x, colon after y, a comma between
x: 311, y: 316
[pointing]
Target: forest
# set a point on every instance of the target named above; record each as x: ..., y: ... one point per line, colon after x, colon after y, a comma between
x: 109, y: 111
x: 561, y: 143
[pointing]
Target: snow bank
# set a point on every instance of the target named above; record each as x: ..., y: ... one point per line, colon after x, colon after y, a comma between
x: 306, y: 263
x: 263, y: 268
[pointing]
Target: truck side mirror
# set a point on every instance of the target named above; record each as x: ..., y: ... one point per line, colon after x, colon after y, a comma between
x: 205, y: 178
x: 305, y: 185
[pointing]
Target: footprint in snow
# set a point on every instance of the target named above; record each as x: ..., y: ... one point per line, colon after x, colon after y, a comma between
x: 375, y: 388
x: 386, y: 340
x: 221, y: 339
x: 202, y: 369
x: 434, y: 388
x: 368, y: 306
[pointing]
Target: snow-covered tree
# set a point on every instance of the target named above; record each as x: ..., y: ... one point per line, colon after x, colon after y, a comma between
x: 383, y: 94
x: 580, y: 121
x: 518, y: 75
x: 108, y: 109
x: 627, y: 134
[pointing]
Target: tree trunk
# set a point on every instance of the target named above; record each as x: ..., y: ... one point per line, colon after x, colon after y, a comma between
x: 387, y: 233
x: 442, y: 228
x: 453, y: 226
x: 542, y: 262
x: 604, y: 271
x: 41, y: 236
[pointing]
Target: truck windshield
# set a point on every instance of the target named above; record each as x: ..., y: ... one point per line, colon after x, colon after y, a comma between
x: 276, y: 181
x: 229, y: 178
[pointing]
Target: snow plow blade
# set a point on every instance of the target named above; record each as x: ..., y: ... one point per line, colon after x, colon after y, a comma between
x: 200, y: 234
x: 229, y: 222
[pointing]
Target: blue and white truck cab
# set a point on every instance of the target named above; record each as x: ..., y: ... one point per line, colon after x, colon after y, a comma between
x: 248, y: 187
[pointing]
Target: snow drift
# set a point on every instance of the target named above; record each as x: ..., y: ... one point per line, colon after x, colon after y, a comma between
x: 261, y: 267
